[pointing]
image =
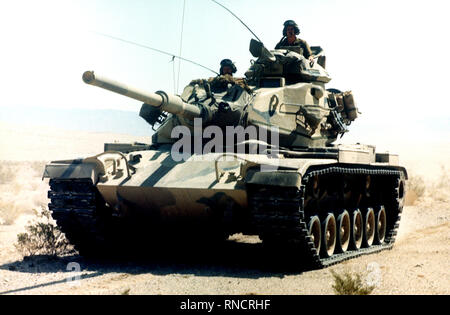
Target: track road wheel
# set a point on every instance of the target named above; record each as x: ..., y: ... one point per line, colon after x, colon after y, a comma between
x: 380, y: 222
x: 369, y: 228
x: 328, y: 236
x: 315, y: 232
x: 343, y: 232
x: 356, y: 235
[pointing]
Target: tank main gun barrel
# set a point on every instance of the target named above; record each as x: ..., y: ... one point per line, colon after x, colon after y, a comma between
x: 165, y: 102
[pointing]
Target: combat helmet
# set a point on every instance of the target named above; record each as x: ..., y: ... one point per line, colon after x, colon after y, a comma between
x: 291, y: 23
x: 227, y: 63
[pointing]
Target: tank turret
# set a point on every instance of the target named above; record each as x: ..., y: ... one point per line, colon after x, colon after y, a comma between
x: 282, y: 90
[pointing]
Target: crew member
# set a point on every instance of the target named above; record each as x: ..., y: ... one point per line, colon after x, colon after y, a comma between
x: 290, y: 32
x: 227, y: 67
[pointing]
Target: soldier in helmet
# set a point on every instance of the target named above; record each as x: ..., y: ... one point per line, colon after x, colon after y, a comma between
x: 290, y: 32
x: 221, y: 83
x: 227, y: 67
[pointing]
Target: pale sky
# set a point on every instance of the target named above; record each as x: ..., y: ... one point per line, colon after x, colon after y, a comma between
x: 393, y: 54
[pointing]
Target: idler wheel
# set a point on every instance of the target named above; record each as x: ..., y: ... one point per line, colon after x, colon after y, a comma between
x: 369, y: 228
x: 380, y: 220
x: 328, y: 236
x: 343, y: 232
x: 356, y: 230
x: 367, y: 186
x: 315, y: 232
x: 315, y: 191
x: 401, y: 193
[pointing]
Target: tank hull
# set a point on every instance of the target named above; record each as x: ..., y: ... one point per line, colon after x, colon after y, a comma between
x: 210, y: 197
x: 171, y: 204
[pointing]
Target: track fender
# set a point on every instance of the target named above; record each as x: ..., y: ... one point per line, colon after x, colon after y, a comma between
x: 277, y: 178
x: 73, y: 169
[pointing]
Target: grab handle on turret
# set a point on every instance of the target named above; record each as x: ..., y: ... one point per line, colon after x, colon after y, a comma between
x: 164, y: 101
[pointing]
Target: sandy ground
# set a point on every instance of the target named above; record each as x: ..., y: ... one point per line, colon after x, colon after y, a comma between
x: 418, y: 264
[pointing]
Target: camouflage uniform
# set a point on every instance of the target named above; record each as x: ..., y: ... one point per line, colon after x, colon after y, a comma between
x: 220, y: 83
x: 298, y: 42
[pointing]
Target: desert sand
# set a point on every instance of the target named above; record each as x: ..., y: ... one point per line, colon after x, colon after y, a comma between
x: 418, y: 263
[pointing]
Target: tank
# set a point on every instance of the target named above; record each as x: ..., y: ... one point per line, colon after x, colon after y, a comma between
x: 253, y: 155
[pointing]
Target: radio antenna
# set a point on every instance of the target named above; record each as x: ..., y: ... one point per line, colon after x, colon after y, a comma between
x: 157, y: 50
x: 237, y: 18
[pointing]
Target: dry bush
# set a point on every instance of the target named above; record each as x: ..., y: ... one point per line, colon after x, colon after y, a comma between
x: 126, y: 292
x: 443, y: 182
x: 440, y: 189
x: 7, y: 173
x: 43, y: 237
x: 436, y: 188
x: 350, y: 284
x: 416, y: 188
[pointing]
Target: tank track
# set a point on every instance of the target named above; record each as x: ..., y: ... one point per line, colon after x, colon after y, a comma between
x: 279, y: 217
x: 82, y: 215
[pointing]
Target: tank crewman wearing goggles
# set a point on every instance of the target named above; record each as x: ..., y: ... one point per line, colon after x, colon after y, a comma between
x: 290, y: 32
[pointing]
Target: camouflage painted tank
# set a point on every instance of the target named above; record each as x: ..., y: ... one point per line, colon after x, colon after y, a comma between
x: 253, y: 156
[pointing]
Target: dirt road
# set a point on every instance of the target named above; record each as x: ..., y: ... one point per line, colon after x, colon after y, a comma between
x: 418, y: 264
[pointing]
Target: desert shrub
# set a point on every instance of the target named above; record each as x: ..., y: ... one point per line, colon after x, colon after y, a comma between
x: 43, y: 237
x: 443, y: 182
x: 125, y: 292
x: 350, y: 284
x: 440, y: 187
x: 7, y: 173
x: 416, y: 184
